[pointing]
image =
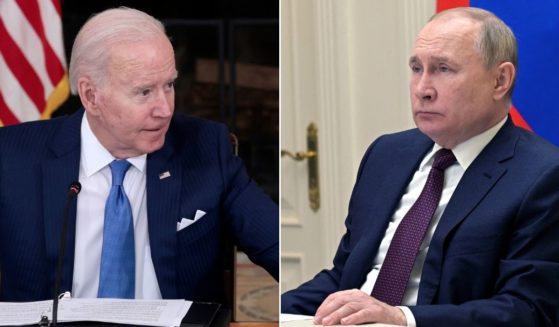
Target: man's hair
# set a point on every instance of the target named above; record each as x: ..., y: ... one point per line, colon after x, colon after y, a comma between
x: 91, y: 49
x: 495, y: 42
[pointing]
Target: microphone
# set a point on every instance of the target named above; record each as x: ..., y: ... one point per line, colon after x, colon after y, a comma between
x: 73, y: 190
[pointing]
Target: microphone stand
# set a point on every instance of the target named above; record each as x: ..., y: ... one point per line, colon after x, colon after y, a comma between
x: 74, y: 189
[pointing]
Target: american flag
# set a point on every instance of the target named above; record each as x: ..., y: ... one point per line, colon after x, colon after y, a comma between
x: 33, y: 78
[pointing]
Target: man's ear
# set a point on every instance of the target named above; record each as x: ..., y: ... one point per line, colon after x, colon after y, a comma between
x: 504, y: 78
x: 89, y: 95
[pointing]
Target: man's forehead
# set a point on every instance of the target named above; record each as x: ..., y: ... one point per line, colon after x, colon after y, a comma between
x: 447, y: 36
x: 450, y: 26
x: 442, y: 42
x: 136, y: 57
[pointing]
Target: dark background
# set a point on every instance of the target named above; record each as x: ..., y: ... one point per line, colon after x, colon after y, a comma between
x: 207, y: 35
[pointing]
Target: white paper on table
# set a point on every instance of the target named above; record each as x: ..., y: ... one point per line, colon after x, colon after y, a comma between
x: 133, y: 312
x: 285, y: 317
x: 24, y: 313
x: 291, y: 320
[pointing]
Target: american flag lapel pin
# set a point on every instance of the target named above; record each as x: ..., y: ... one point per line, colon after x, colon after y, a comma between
x: 164, y: 175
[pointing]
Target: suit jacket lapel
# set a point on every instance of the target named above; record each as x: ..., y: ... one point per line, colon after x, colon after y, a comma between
x: 163, y: 202
x: 58, y: 172
x: 478, y: 179
x: 404, y: 161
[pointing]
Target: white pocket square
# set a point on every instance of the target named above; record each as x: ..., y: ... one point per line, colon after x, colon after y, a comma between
x: 185, y: 222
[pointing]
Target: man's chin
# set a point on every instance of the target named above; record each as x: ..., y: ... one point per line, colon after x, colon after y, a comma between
x: 153, y: 145
x: 429, y: 129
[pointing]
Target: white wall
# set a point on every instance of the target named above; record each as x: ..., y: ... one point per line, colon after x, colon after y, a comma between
x: 345, y: 66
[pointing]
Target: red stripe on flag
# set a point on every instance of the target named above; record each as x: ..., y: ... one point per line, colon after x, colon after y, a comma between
x: 22, y: 70
x: 518, y: 120
x: 6, y: 115
x: 56, y: 4
x: 31, y: 11
x: 447, y: 4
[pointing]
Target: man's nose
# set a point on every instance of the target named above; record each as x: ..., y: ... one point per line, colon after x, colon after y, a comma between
x: 164, y: 105
x: 424, y: 89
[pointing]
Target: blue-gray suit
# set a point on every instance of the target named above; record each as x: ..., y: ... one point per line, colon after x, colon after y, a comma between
x: 39, y: 160
x: 494, y: 257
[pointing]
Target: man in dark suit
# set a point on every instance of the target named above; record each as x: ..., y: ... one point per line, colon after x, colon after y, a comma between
x: 183, y: 188
x: 488, y: 254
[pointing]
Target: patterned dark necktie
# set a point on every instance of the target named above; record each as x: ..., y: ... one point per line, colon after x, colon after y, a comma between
x: 117, y: 275
x: 394, y: 274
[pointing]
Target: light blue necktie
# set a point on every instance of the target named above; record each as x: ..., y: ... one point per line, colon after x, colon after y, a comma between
x: 117, y: 277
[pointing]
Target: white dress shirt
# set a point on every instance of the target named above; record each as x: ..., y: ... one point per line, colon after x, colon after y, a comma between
x: 96, y: 179
x: 465, y: 154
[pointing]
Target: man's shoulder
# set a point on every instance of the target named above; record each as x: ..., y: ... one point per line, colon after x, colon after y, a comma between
x: 188, y: 125
x: 406, y: 135
x: 195, y: 134
x: 536, y: 149
x: 411, y: 137
x: 33, y: 132
x: 35, y: 125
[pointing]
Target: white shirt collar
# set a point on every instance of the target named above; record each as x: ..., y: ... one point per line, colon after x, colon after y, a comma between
x: 467, y: 151
x: 94, y: 156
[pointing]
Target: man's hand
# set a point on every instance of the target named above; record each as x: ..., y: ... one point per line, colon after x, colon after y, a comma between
x: 353, y: 307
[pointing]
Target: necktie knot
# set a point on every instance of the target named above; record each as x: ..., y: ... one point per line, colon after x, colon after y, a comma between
x: 118, y: 170
x: 444, y: 158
